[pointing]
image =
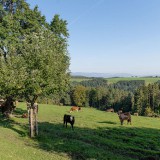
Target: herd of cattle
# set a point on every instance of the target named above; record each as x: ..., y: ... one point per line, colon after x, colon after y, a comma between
x: 122, y: 116
x: 67, y: 118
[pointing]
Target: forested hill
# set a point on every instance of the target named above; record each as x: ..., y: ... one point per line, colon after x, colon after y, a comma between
x: 141, y: 95
x: 137, y: 95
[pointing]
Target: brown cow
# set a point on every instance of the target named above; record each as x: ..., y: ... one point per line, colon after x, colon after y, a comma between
x: 25, y: 115
x: 124, y: 116
x: 75, y: 108
x: 135, y: 114
x: 120, y: 111
x: 110, y: 110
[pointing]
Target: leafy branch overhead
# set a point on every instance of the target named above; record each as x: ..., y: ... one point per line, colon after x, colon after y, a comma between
x: 34, y: 57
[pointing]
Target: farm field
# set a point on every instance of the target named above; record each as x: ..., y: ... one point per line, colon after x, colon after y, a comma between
x: 146, y: 79
x: 98, y: 135
x: 80, y: 79
x: 115, y: 80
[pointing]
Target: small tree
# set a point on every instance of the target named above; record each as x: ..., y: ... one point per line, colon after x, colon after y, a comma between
x: 46, y: 68
x: 148, y: 111
x: 79, y: 95
x: 33, y: 54
x: 41, y: 69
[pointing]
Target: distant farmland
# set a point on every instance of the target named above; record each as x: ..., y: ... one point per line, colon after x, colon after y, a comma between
x: 80, y: 78
x: 146, y: 79
x: 115, y: 80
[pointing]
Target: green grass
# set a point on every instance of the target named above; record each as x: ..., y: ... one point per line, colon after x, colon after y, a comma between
x: 115, y: 80
x: 147, y: 80
x: 97, y: 135
x: 80, y: 79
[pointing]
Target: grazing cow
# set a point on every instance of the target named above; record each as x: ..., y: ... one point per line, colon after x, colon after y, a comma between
x: 120, y: 111
x: 68, y: 119
x: 75, y: 108
x: 124, y: 116
x: 25, y: 115
x: 135, y: 114
x: 110, y: 110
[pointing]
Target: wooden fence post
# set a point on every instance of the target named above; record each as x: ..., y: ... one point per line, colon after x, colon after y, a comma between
x: 33, y: 124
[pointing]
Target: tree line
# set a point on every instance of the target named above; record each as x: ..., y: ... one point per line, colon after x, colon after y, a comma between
x: 133, y: 96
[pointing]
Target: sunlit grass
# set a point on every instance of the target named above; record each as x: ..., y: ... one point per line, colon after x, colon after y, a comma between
x: 96, y: 135
x: 146, y: 79
x: 115, y: 80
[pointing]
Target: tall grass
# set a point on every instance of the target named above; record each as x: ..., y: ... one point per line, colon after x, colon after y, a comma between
x: 96, y: 135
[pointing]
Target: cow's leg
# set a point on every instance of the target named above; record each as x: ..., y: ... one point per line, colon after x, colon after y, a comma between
x: 72, y: 126
x: 121, y: 122
x: 129, y: 121
x: 66, y: 124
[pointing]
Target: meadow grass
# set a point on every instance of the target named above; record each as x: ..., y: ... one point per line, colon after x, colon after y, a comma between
x: 97, y: 135
x: 146, y: 79
x: 80, y: 79
x: 117, y: 79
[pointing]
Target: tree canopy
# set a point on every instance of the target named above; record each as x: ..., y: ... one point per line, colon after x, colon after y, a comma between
x: 34, y: 57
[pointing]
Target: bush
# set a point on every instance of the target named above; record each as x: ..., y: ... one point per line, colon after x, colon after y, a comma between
x: 148, y: 112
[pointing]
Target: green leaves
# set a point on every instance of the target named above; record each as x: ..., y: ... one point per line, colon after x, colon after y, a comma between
x: 59, y: 26
x: 79, y: 95
x: 36, y: 61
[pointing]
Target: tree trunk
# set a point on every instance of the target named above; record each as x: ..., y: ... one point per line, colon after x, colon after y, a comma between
x: 33, y: 125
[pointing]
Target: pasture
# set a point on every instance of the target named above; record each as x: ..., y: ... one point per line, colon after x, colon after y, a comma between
x: 97, y: 135
x: 117, y: 79
x: 146, y: 79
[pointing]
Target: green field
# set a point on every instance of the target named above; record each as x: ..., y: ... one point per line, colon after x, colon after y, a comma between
x: 114, y: 80
x: 97, y: 136
x: 80, y: 79
x: 147, y: 80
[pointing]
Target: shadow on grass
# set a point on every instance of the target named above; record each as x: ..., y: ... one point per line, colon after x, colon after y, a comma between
x: 108, y: 122
x: 13, y: 125
x: 107, y: 143
x: 102, y: 143
x: 18, y: 112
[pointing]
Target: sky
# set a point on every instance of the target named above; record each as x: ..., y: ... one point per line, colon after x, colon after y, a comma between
x: 109, y: 36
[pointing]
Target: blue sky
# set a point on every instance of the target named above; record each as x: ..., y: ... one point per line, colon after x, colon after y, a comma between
x: 109, y: 36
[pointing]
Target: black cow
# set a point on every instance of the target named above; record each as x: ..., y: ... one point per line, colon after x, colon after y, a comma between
x: 68, y: 119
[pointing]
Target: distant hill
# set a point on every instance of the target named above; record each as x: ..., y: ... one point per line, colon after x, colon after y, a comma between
x: 104, y: 75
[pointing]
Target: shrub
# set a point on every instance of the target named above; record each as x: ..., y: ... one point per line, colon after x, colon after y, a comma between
x: 148, y: 111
